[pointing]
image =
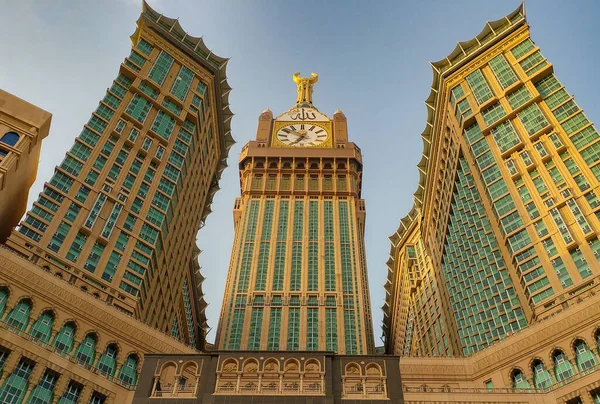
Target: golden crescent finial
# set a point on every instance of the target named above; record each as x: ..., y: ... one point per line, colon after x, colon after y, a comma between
x: 305, y: 88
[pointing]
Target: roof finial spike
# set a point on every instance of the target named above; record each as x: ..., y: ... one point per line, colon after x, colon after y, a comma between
x: 305, y: 88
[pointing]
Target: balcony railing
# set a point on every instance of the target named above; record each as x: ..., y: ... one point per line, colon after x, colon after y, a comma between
x: 49, y: 347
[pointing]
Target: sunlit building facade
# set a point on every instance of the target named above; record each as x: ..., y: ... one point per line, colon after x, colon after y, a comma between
x: 297, y: 278
x: 503, y: 237
x: 103, y: 269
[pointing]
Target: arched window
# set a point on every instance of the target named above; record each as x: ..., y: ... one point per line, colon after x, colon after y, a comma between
x: 44, y: 391
x: 128, y: 372
x: 541, y: 377
x: 10, y: 138
x: 15, y: 386
x: 108, y: 361
x: 19, y: 316
x: 86, y: 351
x: 64, y: 338
x: 519, y: 380
x: 562, y: 367
x: 42, y: 328
x: 3, y: 300
x: 585, y: 358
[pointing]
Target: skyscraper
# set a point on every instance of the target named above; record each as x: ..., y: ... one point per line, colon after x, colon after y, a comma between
x: 295, y: 323
x: 503, y: 239
x: 110, y: 243
x: 119, y: 216
x: 297, y: 278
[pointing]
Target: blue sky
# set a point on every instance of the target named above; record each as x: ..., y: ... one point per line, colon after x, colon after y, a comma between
x: 371, y: 56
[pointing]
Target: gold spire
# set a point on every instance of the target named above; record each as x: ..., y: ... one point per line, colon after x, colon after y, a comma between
x: 305, y: 88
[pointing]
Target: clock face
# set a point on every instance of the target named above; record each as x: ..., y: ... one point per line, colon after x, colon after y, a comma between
x: 302, y: 135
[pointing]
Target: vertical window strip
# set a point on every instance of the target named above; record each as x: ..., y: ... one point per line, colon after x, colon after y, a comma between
x: 293, y: 337
x: 313, y: 246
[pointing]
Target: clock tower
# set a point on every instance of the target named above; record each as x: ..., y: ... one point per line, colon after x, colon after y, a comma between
x: 297, y: 277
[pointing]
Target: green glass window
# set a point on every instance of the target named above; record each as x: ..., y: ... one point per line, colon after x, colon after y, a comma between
x: 235, y: 335
x: 42, y: 327
x: 71, y: 165
x: 72, y: 212
x: 86, y: 351
x: 161, y: 68
x: 144, y: 47
x: 182, y: 83
x: 81, y: 151
x: 519, y: 380
x: 575, y: 123
x: 19, y: 316
x: 585, y: 358
x: 463, y: 110
x: 63, y: 341
x: 71, y: 394
x: 313, y: 246
x: 565, y: 110
x: 89, y: 137
x: 456, y: 93
x: 3, y: 299
x: 532, y: 119
x: 541, y: 377
x: 111, y: 266
x: 163, y: 125
x: 329, y: 247
x: 107, y: 363
x: 562, y: 367
x: 104, y: 112
x: 296, y: 265
x: 331, y: 329
x: 533, y: 63
x: 312, y: 329
x: 59, y: 236
x: 293, y: 339
x: 95, y: 211
x: 61, y: 182
x: 522, y: 49
x: 263, y: 253
x: 547, y: 85
x: 518, y: 98
x: 280, y: 248
x: 584, y: 137
x: 502, y: 70
x: 97, y: 124
x: 479, y: 87
x: 128, y: 371
x: 505, y: 136
x: 112, y: 220
x: 94, y: 257
x: 580, y: 262
x: 591, y: 154
x: 274, y: 329
x: 350, y: 332
x: 76, y: 247
x: 557, y: 98
x: 43, y: 393
x: 562, y: 226
x: 14, y: 387
x: 255, y: 328
x: 138, y: 108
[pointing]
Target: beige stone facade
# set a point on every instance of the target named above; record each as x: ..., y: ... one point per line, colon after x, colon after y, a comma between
x: 22, y: 128
x: 83, y: 314
x: 297, y: 278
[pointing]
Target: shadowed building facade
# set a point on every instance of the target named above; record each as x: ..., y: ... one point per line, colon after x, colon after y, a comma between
x: 110, y: 242
x: 496, y: 266
x: 22, y: 128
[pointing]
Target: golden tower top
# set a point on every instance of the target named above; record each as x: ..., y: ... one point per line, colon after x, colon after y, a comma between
x: 305, y: 88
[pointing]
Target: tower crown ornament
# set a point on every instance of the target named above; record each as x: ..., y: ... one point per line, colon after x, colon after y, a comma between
x: 305, y: 88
